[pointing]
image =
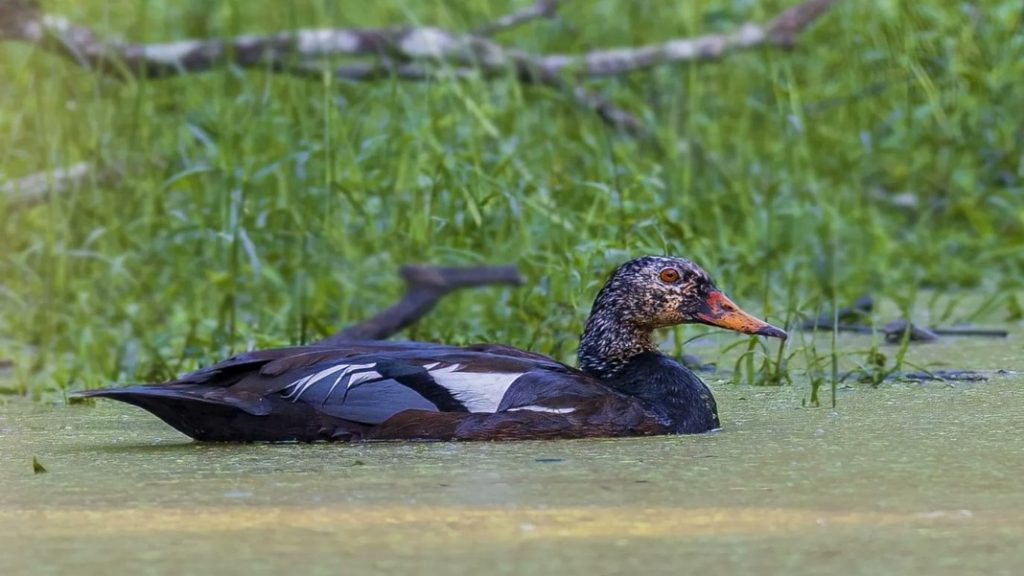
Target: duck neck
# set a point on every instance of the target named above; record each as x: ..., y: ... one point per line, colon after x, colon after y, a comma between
x: 610, y: 341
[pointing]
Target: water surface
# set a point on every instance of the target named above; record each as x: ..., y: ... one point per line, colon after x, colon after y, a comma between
x: 907, y: 479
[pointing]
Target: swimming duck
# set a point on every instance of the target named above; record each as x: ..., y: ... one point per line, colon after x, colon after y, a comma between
x: 384, y: 390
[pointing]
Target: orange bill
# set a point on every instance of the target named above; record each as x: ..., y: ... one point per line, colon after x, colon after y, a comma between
x: 720, y: 311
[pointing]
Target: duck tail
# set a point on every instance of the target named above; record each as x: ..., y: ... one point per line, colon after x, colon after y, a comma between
x: 197, y: 413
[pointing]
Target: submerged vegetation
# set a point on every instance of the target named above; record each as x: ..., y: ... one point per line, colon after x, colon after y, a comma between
x: 882, y: 155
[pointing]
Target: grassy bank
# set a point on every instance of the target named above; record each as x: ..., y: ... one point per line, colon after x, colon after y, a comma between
x: 883, y: 155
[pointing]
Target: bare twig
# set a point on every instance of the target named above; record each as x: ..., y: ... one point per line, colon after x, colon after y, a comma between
x: 406, y: 53
x: 852, y: 318
x: 848, y: 316
x: 402, y: 44
x: 781, y: 31
x: 979, y: 332
x: 608, y: 111
x: 539, y: 9
x: 895, y: 330
x: 35, y: 187
x: 275, y: 50
x: 786, y: 27
x: 425, y: 286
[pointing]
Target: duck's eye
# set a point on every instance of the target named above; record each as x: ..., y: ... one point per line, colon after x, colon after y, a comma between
x: 669, y: 275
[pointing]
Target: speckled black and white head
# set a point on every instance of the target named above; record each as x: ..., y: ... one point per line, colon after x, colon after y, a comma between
x: 653, y: 292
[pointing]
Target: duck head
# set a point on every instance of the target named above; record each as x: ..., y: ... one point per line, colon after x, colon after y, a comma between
x: 655, y: 292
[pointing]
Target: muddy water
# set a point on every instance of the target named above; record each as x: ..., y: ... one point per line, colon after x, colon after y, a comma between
x: 905, y: 479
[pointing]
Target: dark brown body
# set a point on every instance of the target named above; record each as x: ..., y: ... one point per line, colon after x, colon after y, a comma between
x: 603, y: 418
x: 242, y: 399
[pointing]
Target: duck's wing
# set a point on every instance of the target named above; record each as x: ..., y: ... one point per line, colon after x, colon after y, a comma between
x: 327, y: 385
x: 370, y: 388
x: 284, y: 359
x: 298, y: 356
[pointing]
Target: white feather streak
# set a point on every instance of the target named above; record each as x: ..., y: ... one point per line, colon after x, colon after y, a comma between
x: 478, y: 391
x: 302, y: 384
x: 543, y: 409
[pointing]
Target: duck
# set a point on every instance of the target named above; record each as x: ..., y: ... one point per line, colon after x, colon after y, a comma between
x: 394, y: 390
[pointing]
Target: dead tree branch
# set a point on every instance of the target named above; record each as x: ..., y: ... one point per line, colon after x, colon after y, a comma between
x: 35, y: 187
x: 781, y: 31
x: 539, y: 9
x: 425, y: 286
x: 405, y: 53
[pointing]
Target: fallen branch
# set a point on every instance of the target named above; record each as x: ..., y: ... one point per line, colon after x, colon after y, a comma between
x: 407, y: 53
x: 947, y: 375
x: 941, y: 376
x: 895, y: 331
x: 425, y: 286
x: 781, y: 31
x: 847, y: 316
x: 539, y: 9
x: 36, y: 187
x: 852, y: 319
x: 401, y: 44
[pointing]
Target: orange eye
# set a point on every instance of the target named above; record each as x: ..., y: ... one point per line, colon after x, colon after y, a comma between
x: 669, y: 275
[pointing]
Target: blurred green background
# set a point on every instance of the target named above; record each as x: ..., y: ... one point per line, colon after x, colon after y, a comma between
x: 883, y: 155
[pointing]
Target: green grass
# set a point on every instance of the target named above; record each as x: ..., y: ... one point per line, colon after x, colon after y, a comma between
x: 882, y: 155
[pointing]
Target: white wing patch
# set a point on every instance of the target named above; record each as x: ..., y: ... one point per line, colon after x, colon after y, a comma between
x: 543, y: 409
x: 356, y: 374
x: 477, y: 391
